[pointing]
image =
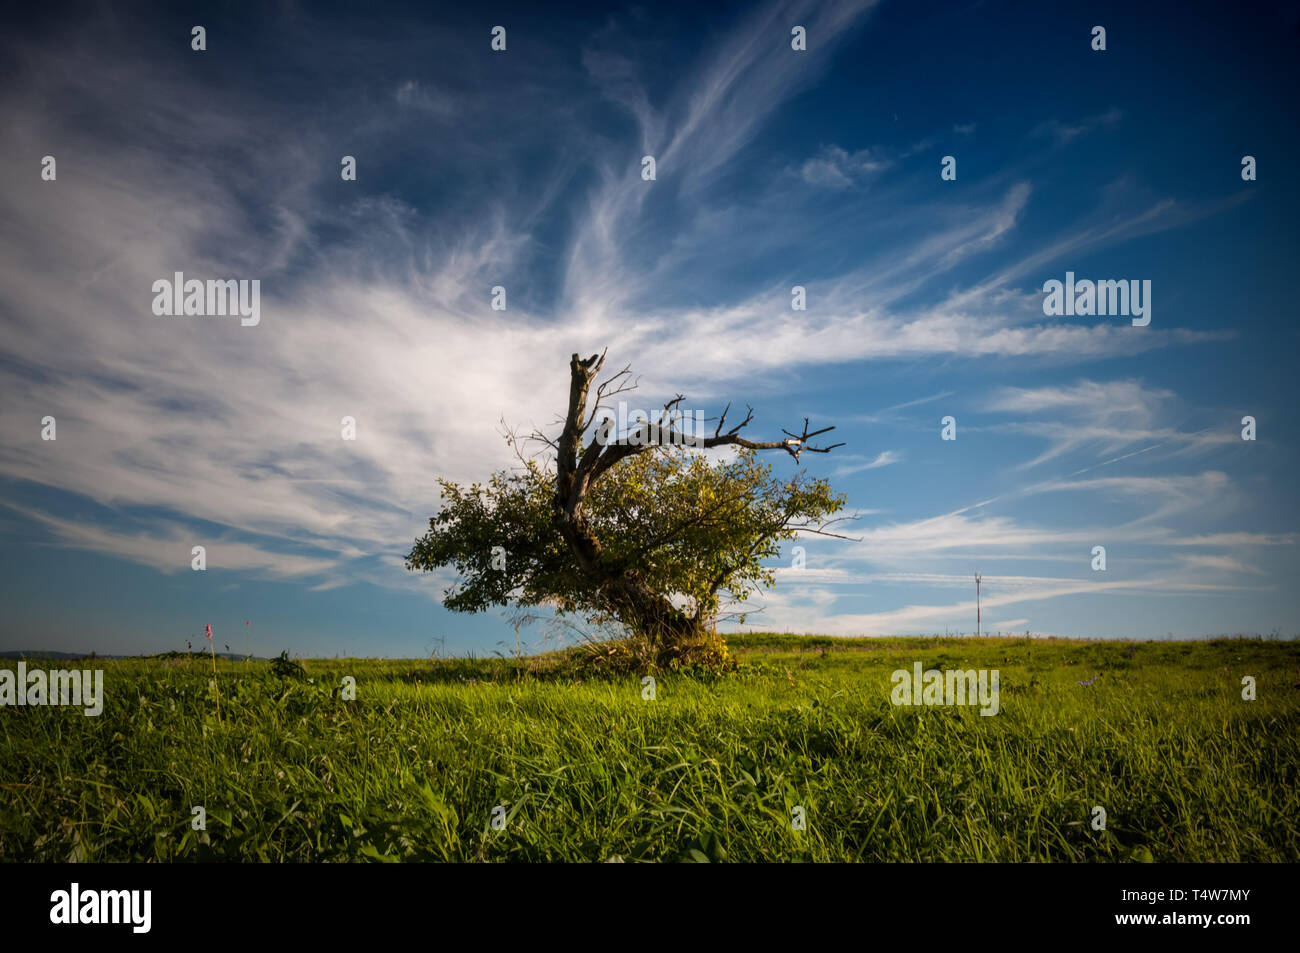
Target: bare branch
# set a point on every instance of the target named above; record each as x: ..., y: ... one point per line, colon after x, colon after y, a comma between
x: 744, y: 423
x: 722, y: 420
x: 664, y: 419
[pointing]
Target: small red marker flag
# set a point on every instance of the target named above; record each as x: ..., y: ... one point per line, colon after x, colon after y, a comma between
x: 209, y: 631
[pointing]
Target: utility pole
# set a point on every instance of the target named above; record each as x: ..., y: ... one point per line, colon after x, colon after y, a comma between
x: 978, y: 577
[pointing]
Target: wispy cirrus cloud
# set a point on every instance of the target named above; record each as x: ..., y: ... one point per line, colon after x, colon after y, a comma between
x: 1106, y: 417
x: 852, y: 464
x: 1062, y: 132
x: 834, y: 168
x: 375, y: 300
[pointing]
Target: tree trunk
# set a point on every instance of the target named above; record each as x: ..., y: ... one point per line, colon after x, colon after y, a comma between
x: 648, y: 614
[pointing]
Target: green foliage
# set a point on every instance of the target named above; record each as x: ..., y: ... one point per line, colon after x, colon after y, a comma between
x: 284, y: 667
x: 694, y: 529
x: 512, y: 511
x: 589, y: 771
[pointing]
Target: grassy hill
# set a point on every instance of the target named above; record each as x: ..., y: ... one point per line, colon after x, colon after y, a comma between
x: 584, y: 769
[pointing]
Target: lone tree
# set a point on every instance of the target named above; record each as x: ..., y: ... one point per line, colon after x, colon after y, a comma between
x: 640, y: 528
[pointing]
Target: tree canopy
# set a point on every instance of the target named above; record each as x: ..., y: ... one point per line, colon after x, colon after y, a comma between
x: 636, y: 527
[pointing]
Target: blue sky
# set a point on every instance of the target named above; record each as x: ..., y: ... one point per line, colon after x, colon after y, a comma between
x: 522, y: 169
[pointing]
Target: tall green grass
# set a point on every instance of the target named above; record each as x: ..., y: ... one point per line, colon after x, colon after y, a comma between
x: 586, y: 770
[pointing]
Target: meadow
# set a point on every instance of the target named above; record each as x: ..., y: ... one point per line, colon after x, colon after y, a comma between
x: 582, y: 767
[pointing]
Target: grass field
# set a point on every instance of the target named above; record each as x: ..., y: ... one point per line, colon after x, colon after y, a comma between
x: 586, y: 770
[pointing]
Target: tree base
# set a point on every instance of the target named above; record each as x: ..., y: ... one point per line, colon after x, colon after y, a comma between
x: 703, y: 652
